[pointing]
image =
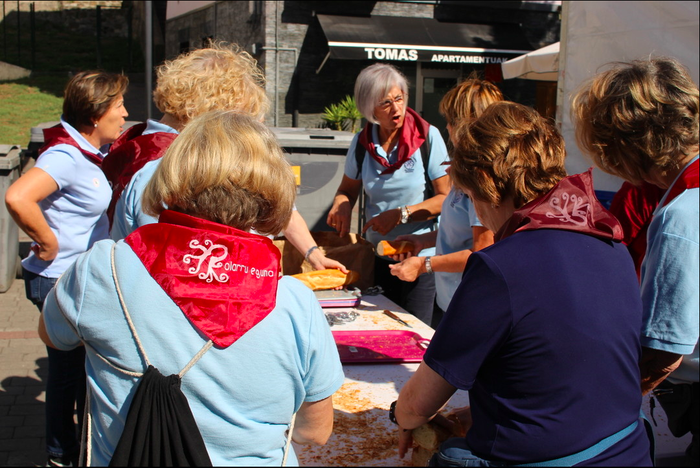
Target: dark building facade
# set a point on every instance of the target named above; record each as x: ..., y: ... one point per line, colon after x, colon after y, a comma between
x: 312, y: 51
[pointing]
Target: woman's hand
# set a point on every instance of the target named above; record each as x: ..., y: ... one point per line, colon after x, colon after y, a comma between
x: 340, y: 215
x: 405, y: 441
x: 409, y: 269
x: 418, y: 245
x: 319, y: 261
x: 384, y: 222
x: 46, y: 251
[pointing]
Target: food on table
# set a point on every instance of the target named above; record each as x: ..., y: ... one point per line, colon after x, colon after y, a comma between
x: 327, y: 279
x: 394, y: 247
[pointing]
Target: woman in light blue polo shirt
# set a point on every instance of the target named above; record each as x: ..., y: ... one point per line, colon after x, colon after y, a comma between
x: 60, y: 203
x: 402, y: 173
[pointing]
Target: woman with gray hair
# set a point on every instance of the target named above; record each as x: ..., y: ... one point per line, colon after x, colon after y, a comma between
x: 403, y: 178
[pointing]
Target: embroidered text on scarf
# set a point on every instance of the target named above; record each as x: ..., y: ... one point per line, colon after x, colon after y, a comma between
x: 223, y: 279
x: 413, y: 133
x: 571, y: 206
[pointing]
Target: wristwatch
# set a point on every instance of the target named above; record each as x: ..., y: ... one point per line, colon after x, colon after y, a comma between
x: 428, y: 266
x: 405, y: 214
x: 392, y: 412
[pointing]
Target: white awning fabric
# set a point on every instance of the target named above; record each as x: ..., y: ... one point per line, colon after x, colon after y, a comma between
x: 541, y: 64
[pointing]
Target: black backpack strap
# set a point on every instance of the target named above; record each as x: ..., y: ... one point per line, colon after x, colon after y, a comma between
x: 360, y: 152
x: 429, y: 191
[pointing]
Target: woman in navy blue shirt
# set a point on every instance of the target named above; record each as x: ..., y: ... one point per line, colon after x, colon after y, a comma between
x: 543, y: 331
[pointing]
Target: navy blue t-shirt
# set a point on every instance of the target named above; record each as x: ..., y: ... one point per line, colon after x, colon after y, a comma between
x: 544, y: 333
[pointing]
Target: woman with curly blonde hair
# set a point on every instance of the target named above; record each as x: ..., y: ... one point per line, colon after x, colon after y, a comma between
x: 219, y: 77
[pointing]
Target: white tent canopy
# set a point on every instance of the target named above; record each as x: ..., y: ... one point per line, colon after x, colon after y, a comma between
x: 541, y: 64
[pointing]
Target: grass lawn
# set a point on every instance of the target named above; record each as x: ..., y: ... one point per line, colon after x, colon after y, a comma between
x: 60, y: 48
x: 26, y: 103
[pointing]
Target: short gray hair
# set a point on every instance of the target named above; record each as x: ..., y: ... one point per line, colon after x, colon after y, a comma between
x: 373, y: 83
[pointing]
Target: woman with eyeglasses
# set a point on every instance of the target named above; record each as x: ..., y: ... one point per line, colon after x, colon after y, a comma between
x: 397, y: 159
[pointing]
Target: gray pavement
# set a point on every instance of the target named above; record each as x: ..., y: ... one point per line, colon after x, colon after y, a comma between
x: 23, y: 368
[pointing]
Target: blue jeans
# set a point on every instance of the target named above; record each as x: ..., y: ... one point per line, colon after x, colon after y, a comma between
x: 65, y: 385
x: 456, y: 452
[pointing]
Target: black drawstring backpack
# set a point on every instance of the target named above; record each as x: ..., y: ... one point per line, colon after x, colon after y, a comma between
x: 160, y: 429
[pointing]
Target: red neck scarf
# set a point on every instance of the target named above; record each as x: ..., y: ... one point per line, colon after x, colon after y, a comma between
x: 59, y: 136
x: 688, y: 179
x: 223, y: 279
x: 413, y: 133
x: 570, y: 206
x: 129, y: 153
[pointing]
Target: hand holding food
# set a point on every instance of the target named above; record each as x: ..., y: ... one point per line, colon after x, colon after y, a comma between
x: 394, y: 247
x: 327, y: 279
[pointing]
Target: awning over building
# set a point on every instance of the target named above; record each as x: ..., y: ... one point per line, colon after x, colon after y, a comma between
x: 541, y: 64
x: 421, y: 40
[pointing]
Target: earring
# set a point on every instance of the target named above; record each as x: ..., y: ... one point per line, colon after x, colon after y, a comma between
x: 95, y: 124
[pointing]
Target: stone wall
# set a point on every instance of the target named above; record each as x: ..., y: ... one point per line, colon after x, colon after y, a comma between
x: 288, y: 31
x: 59, y: 5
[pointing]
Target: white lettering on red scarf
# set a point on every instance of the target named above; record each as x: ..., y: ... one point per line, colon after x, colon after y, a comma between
x: 213, y: 261
x: 573, y: 210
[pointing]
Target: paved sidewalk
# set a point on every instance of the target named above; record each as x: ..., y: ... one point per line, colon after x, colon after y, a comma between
x: 23, y: 368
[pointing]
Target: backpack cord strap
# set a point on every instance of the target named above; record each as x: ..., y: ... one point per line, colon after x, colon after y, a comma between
x: 126, y: 312
x: 289, y: 439
x: 196, y: 357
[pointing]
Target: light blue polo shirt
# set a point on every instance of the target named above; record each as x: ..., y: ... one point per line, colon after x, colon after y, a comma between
x: 242, y: 397
x: 403, y: 187
x: 76, y: 211
x: 454, y: 234
x: 670, y: 281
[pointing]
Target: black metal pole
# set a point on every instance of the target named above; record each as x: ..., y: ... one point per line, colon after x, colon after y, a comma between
x: 130, y: 53
x: 32, y: 27
x: 98, y: 27
x: 19, y: 54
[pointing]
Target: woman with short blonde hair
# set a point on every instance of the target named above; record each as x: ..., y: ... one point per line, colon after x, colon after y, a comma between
x: 242, y: 182
x: 545, y: 321
x: 197, y: 283
x: 460, y: 231
x: 218, y: 77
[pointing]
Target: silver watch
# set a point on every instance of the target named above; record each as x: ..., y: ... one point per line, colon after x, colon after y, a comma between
x: 405, y: 214
x: 428, y: 265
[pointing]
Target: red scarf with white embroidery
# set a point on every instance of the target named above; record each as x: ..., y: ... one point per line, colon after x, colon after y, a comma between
x: 58, y: 135
x: 223, y: 279
x: 414, y: 132
x: 570, y: 206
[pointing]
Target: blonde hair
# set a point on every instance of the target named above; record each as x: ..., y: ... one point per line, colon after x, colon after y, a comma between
x: 219, y: 77
x: 468, y: 100
x: 638, y: 116
x: 510, y: 151
x: 373, y: 84
x: 227, y: 168
x: 90, y: 94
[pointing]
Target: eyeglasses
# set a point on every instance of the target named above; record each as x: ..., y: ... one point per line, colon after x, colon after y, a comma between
x: 386, y: 104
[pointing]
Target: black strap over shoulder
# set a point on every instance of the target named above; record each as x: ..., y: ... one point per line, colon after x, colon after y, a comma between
x: 160, y: 429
